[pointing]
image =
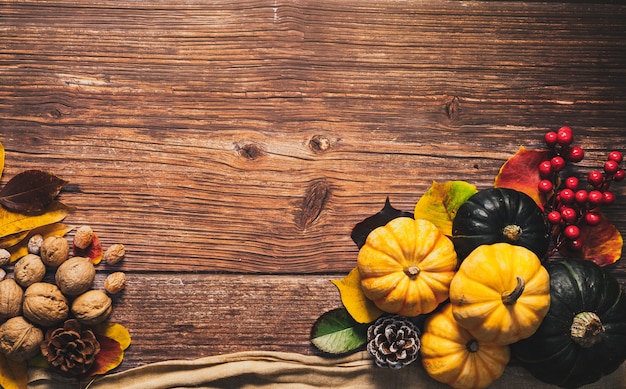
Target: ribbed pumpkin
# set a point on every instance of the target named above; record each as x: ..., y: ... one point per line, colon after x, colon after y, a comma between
x: 500, y: 293
x: 406, y: 266
x: 583, y: 337
x: 450, y: 354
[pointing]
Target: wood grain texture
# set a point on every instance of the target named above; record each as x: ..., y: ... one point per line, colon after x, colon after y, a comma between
x: 228, y: 142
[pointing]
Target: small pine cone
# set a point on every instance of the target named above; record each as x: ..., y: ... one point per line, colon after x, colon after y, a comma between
x: 71, y: 349
x: 393, y: 341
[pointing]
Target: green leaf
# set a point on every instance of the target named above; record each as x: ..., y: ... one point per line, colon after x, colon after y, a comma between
x: 441, y: 202
x: 336, y: 332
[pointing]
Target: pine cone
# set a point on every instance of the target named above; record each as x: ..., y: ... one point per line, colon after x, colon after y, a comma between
x: 393, y: 341
x: 70, y: 349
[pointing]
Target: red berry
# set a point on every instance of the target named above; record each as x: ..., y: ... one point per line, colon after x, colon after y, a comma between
x: 616, y: 156
x: 571, y: 182
x: 592, y: 218
x: 611, y: 167
x: 595, y: 178
x: 595, y: 197
x: 568, y: 214
x: 576, y: 244
x: 550, y: 138
x: 545, y: 169
x: 619, y: 175
x: 558, y: 163
x: 571, y: 232
x: 564, y: 136
x: 554, y: 217
x: 581, y: 196
x: 608, y: 198
x: 576, y: 154
x: 545, y: 186
x: 567, y: 196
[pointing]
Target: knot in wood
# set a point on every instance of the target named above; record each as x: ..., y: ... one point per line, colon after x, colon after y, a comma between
x: 319, y: 143
x: 250, y: 151
x: 315, y: 198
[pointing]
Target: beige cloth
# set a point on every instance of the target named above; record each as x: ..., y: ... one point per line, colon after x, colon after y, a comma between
x: 257, y: 369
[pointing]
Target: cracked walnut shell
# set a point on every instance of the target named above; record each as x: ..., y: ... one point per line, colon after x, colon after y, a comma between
x: 75, y: 276
x: 44, y: 304
x: 92, y: 307
x: 11, y: 295
x: 19, y: 339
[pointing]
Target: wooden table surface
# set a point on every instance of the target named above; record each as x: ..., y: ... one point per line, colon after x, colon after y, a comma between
x: 232, y: 145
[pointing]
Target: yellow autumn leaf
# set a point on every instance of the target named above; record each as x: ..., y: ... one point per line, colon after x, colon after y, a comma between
x: 115, y: 331
x: 441, y: 202
x: 13, y: 375
x: 362, y: 309
x: 12, y: 222
x: 20, y: 249
x: 1, y: 159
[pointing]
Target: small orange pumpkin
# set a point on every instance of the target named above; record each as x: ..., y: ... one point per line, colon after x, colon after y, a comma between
x: 501, y: 293
x: 406, y: 266
x: 450, y: 354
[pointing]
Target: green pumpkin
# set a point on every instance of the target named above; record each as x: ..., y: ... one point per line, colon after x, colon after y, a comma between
x: 500, y: 215
x: 583, y: 336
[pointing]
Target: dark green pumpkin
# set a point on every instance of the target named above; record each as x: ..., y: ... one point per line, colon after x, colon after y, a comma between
x: 499, y: 215
x: 583, y: 336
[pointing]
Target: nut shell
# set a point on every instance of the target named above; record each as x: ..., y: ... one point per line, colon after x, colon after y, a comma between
x: 5, y: 257
x: 115, y: 282
x: 29, y: 269
x: 92, y: 307
x: 11, y: 295
x: 114, y: 253
x: 54, y: 250
x: 83, y: 237
x: 75, y: 276
x: 44, y: 304
x: 19, y: 339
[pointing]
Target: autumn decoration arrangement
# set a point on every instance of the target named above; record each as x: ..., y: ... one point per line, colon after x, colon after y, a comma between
x: 51, y: 314
x: 473, y: 279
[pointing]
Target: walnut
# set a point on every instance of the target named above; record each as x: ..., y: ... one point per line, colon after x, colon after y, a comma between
x: 115, y: 282
x: 34, y: 244
x: 54, y: 250
x: 3, y: 274
x: 5, y: 257
x: 29, y: 269
x: 83, y: 237
x: 75, y: 276
x: 114, y: 253
x: 92, y: 307
x: 19, y: 339
x: 44, y: 304
x: 10, y: 299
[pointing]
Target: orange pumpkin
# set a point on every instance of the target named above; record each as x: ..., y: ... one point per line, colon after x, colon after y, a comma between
x: 406, y: 266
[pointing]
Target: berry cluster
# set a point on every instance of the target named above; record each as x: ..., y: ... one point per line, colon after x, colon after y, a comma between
x: 568, y: 205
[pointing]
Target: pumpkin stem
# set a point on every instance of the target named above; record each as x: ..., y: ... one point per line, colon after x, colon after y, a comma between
x: 511, y: 297
x: 512, y: 232
x: 472, y: 346
x: 412, y: 271
x: 586, y: 329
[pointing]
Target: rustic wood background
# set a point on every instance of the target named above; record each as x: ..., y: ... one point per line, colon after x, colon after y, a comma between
x: 232, y: 145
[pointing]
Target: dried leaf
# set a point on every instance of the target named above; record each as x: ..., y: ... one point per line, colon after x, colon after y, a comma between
x: 601, y: 243
x: 12, y: 240
x: 521, y: 172
x: 362, y: 229
x: 93, y: 251
x: 31, y: 191
x: 1, y: 159
x: 441, y: 202
x: 21, y: 248
x: 13, y: 375
x: 362, y: 309
x: 114, y: 339
x: 336, y: 332
x: 13, y: 222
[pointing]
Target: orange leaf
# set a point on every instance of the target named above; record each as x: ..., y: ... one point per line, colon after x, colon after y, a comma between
x: 521, y: 172
x: 601, y: 243
x: 13, y: 375
x: 362, y: 309
x: 93, y: 251
x: 113, y: 339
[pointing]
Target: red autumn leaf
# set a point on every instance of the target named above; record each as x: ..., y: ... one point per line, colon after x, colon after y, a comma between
x: 521, y: 172
x: 601, y: 243
x: 114, y: 339
x: 93, y: 251
x: 30, y: 191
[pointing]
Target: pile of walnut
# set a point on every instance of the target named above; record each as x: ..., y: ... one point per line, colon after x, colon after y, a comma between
x: 29, y: 305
